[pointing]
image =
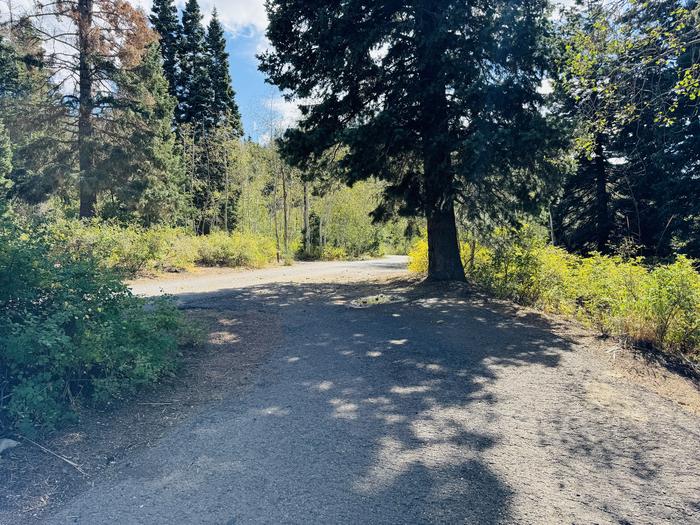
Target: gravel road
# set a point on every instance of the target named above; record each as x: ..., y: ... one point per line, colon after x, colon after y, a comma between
x: 418, y: 407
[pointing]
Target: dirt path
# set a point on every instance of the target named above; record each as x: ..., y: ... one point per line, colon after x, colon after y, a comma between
x: 421, y: 407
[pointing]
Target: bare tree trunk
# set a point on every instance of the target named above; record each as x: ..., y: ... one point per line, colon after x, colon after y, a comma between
x: 307, y: 232
x: 472, y: 254
x: 551, y: 227
x: 285, y: 210
x: 226, y: 190
x: 88, y: 184
x: 274, y: 215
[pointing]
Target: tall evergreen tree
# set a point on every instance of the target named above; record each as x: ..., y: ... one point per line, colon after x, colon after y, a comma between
x: 102, y: 36
x: 165, y: 21
x: 195, y: 61
x: 224, y: 103
x: 142, y: 161
x: 437, y: 97
x: 35, y: 119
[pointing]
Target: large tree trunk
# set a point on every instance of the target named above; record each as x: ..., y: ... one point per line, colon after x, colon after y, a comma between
x: 444, y: 261
x: 603, y: 223
x: 88, y: 184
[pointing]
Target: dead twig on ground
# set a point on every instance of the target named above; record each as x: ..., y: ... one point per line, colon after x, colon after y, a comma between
x: 62, y: 458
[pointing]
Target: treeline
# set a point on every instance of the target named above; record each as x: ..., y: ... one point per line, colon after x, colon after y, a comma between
x: 117, y: 118
x: 590, y: 128
x: 133, y: 120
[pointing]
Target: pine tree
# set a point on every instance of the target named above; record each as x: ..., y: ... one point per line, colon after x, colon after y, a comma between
x: 142, y: 161
x: 437, y: 97
x: 35, y: 119
x: 197, y: 90
x: 165, y: 21
x: 224, y: 105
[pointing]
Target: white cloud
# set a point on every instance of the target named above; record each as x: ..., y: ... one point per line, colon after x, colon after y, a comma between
x: 237, y: 15
x: 276, y: 116
x: 288, y: 112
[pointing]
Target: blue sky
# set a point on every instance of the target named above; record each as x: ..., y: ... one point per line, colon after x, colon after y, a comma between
x: 252, y: 93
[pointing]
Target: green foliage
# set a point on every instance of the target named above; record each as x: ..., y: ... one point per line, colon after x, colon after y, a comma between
x: 196, y: 92
x: 626, y: 81
x: 71, y: 333
x: 437, y: 99
x: 671, y: 303
x: 142, y: 162
x: 132, y: 250
x: 236, y: 249
x: 224, y: 102
x: 659, y: 306
x: 167, y: 24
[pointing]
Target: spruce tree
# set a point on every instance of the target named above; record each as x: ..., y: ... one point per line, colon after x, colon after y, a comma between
x: 197, y: 90
x: 437, y: 97
x: 224, y: 104
x: 36, y: 120
x: 166, y: 23
x: 142, y: 161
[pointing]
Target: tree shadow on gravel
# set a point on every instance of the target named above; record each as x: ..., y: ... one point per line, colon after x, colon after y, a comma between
x: 387, y: 398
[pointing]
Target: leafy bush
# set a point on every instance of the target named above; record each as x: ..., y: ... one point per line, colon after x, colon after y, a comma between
x: 236, y: 249
x: 132, y: 249
x: 333, y: 253
x: 71, y: 332
x: 623, y: 298
x: 418, y: 257
x: 670, y: 303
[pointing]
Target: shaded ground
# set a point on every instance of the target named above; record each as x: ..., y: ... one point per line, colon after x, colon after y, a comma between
x: 428, y: 408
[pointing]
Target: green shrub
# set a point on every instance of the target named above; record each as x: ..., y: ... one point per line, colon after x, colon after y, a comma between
x: 670, y: 305
x: 72, y: 333
x: 175, y: 250
x: 333, y: 253
x: 606, y: 290
x: 237, y: 249
x: 618, y: 297
x: 132, y: 250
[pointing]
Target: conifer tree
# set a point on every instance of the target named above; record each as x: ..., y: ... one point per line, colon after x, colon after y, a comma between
x: 35, y: 119
x: 103, y: 36
x: 166, y: 23
x: 142, y: 161
x: 437, y: 97
x: 195, y: 66
x: 628, y: 84
x: 224, y: 103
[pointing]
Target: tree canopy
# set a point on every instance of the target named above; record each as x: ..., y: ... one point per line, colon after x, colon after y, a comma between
x: 439, y: 99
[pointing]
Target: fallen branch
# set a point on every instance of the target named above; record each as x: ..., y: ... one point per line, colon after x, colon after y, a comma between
x: 62, y: 458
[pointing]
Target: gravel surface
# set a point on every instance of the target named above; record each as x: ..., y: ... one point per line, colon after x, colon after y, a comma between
x: 425, y: 408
